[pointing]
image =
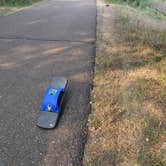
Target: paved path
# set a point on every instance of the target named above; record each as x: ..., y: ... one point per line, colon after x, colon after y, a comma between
x: 54, y: 38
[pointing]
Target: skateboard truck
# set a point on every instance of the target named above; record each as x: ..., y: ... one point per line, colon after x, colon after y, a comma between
x: 52, y: 103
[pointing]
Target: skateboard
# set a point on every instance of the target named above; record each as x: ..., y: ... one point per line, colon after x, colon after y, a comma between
x: 52, y: 103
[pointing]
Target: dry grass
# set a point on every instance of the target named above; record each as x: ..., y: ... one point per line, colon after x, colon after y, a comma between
x: 6, y: 10
x: 127, y: 124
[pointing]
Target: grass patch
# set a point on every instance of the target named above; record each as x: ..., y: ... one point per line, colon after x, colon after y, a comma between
x: 17, y: 2
x: 10, y: 6
x: 127, y: 124
x: 5, y: 11
x: 135, y: 3
x: 94, y: 122
x: 152, y: 151
x: 154, y: 8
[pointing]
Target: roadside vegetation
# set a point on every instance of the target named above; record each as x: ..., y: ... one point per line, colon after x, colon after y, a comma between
x: 17, y: 2
x: 11, y: 6
x: 5, y: 10
x: 127, y: 124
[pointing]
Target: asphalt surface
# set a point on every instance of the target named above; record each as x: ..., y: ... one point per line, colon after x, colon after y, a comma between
x: 54, y: 38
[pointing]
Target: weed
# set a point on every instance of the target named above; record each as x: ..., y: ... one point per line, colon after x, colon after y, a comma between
x: 94, y: 122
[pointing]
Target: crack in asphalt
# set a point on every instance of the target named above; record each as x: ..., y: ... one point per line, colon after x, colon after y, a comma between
x: 93, y: 43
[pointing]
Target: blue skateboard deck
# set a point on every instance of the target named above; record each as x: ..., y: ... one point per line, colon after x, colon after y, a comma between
x: 52, y: 103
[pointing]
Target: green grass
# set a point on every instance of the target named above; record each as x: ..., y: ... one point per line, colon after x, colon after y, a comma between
x: 147, y: 5
x: 136, y: 3
x: 17, y: 2
x: 10, y: 6
x: 154, y: 13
